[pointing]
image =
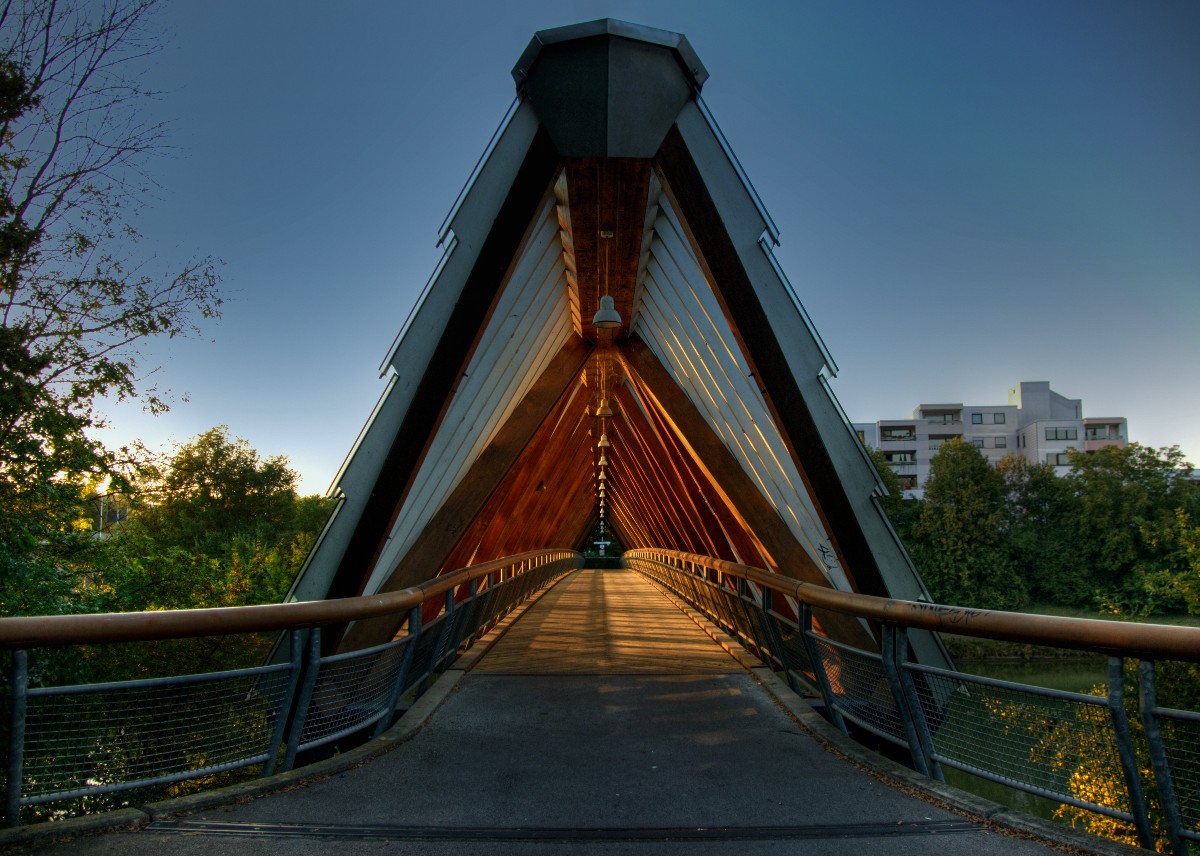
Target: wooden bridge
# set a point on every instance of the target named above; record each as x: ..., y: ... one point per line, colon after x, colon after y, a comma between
x: 608, y: 351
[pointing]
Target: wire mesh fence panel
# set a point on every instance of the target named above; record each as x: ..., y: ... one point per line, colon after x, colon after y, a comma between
x: 352, y: 692
x: 1056, y: 744
x: 423, y: 658
x: 101, y: 738
x: 860, y: 689
x: 794, y: 652
x: 1181, y: 739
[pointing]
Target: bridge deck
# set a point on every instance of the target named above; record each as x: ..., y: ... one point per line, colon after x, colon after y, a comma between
x: 603, y: 721
x: 605, y: 623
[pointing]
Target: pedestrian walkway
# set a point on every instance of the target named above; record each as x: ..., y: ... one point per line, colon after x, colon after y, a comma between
x: 603, y: 721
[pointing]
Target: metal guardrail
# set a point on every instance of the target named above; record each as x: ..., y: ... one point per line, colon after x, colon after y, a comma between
x: 77, y: 741
x: 1077, y: 749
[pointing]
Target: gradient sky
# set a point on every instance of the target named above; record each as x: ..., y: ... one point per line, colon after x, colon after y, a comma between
x: 969, y: 194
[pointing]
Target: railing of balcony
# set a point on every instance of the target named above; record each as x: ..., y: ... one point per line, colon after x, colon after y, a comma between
x: 1078, y: 749
x: 70, y: 742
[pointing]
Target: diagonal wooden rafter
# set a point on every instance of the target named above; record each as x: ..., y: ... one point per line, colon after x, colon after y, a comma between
x: 726, y: 476
x: 444, y: 531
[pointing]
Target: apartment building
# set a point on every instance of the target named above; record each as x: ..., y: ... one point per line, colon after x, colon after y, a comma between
x: 1037, y: 423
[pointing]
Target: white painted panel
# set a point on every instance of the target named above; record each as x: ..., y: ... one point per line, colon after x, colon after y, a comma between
x: 530, y: 324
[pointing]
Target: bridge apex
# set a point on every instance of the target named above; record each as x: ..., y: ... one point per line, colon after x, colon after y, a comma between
x: 608, y: 88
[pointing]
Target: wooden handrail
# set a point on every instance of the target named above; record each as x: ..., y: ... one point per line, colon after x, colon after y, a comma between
x: 1113, y: 638
x: 38, y: 630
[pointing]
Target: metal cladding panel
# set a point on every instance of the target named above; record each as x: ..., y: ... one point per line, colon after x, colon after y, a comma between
x: 416, y: 347
x: 606, y: 95
x: 680, y: 319
x: 780, y: 342
x: 529, y: 324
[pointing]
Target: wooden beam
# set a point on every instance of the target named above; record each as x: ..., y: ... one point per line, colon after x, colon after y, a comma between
x: 688, y: 191
x: 607, y: 195
x: 759, y: 518
x: 451, y: 521
x: 403, y: 459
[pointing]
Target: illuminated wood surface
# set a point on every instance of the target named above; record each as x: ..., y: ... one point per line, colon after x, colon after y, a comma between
x: 605, y: 623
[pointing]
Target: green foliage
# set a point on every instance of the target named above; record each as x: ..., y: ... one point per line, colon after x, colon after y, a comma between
x: 1172, y: 579
x: 1041, y: 509
x: 211, y: 525
x: 903, y: 513
x: 214, y: 488
x: 1121, y: 491
x: 958, y: 539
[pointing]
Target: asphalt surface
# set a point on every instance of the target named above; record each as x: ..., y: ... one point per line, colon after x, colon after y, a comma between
x: 662, y: 761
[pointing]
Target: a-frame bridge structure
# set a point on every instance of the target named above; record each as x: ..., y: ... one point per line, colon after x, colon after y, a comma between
x: 608, y: 337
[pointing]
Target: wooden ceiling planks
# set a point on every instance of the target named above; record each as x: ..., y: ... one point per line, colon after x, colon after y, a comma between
x: 607, y: 195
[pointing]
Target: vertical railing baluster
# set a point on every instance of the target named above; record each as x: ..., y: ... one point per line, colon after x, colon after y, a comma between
x: 911, y: 709
x: 296, y: 640
x: 1125, y: 750
x: 410, y: 652
x: 915, y: 749
x: 1147, y: 704
x: 818, y: 664
x: 312, y: 666
x: 19, y: 676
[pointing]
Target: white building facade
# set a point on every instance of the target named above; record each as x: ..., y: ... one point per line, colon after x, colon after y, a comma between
x: 1037, y: 423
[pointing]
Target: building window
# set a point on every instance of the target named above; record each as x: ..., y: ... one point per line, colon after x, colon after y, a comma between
x: 1062, y: 433
x: 897, y: 434
x: 998, y: 418
x: 977, y: 442
x: 907, y: 482
x: 976, y: 418
x: 900, y: 457
x: 1001, y: 442
x: 1058, y: 459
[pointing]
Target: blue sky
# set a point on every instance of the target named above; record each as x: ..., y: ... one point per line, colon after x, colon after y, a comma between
x: 969, y: 194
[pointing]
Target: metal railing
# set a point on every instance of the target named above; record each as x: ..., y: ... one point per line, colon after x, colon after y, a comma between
x: 1074, y: 748
x: 69, y: 742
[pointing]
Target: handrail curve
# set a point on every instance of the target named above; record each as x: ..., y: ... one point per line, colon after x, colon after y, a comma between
x: 43, y: 630
x: 1112, y: 638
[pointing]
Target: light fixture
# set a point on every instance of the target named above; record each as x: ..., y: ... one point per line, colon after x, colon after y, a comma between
x: 603, y: 444
x: 604, y: 409
x: 606, y: 316
x: 603, y: 462
x: 603, y: 477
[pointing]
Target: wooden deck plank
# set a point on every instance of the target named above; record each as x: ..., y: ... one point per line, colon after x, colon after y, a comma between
x: 609, y: 622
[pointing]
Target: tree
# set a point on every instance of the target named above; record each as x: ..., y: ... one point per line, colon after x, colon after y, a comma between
x: 900, y: 511
x: 75, y: 302
x: 214, y: 489
x: 1123, y: 493
x: 1039, y: 532
x: 957, y: 542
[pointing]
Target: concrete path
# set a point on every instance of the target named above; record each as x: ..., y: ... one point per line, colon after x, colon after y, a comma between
x: 604, y: 721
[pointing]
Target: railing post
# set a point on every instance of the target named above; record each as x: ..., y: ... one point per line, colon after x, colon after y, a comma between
x: 775, y: 639
x: 916, y: 731
x: 814, y: 657
x: 410, y: 652
x: 285, y: 703
x: 1129, y: 765
x: 1147, y: 703
x: 452, y: 647
x: 312, y: 666
x: 19, y: 675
